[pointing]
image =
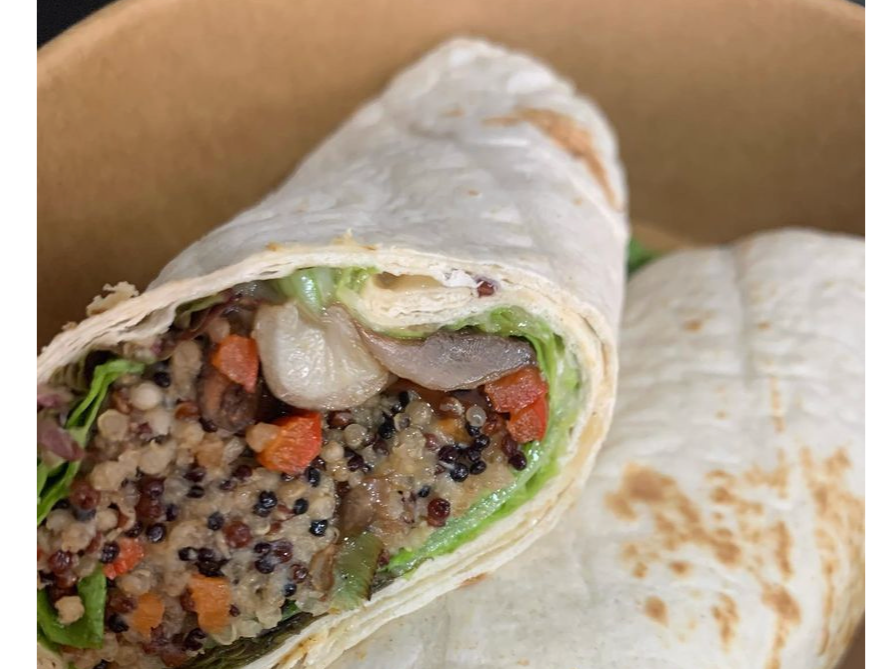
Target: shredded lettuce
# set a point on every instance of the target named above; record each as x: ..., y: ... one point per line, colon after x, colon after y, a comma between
x: 81, y: 420
x: 639, y: 255
x: 53, y: 481
x: 87, y: 632
x: 560, y: 369
x: 317, y: 287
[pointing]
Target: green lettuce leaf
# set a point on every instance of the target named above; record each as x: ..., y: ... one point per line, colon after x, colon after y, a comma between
x: 53, y: 482
x: 87, y: 632
x: 81, y: 420
x: 560, y: 369
x: 639, y: 255
x: 315, y: 288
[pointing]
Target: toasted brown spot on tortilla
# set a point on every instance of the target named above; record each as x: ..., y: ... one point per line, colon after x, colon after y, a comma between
x: 640, y: 570
x: 578, y: 201
x: 472, y: 191
x: 776, y: 478
x: 676, y: 518
x: 763, y: 325
x: 839, y: 536
x: 788, y: 616
x: 721, y: 415
x: 727, y: 617
x: 693, y: 325
x: 679, y: 567
x: 655, y: 608
x: 453, y: 112
x: 523, y: 663
x: 782, y: 548
x: 777, y: 412
x: 721, y: 495
x: 566, y: 132
x: 473, y: 580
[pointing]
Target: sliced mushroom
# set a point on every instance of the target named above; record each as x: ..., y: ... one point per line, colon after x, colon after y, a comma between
x: 450, y: 360
x: 225, y: 404
x: 316, y: 364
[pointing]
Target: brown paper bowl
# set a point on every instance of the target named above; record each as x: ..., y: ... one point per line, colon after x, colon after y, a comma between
x: 159, y: 119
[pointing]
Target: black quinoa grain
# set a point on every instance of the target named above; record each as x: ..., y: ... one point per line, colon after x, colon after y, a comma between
x: 473, y: 454
x: 134, y: 531
x: 286, y: 478
x: 101, y: 664
x: 109, y: 552
x: 215, y: 521
x: 84, y: 515
x: 459, y: 472
x: 149, y: 508
x: 472, y: 430
x: 227, y: 485
x: 301, y: 506
x: 210, y: 568
x: 478, y: 467
x: 313, y: 476
x: 317, y: 528
x: 234, y: 611
x: 448, y: 454
x: 267, y: 499
x: 156, y: 533
x: 518, y: 460
x: 171, y: 512
x: 424, y: 491
x: 265, y: 565
x: 404, y: 399
x: 480, y: 441
x: 195, y: 474
x: 117, y: 624
x: 387, y: 429
x: 355, y: 463
x: 261, y: 511
x: 161, y: 379
x: 151, y: 486
x: 262, y: 547
x: 243, y: 472
x: 206, y: 554
x: 62, y: 504
x: 290, y: 589
x: 195, y: 492
x: 380, y: 447
x: 195, y: 639
x: 509, y: 446
x: 319, y: 463
x: 187, y: 554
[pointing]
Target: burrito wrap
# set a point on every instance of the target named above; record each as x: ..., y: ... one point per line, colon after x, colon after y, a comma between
x: 476, y: 163
x: 723, y: 525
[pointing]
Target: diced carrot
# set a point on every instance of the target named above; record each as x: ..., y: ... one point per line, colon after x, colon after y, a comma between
x: 148, y: 614
x: 530, y: 423
x: 212, y: 597
x: 129, y: 555
x: 517, y: 390
x: 238, y: 360
x: 298, y: 442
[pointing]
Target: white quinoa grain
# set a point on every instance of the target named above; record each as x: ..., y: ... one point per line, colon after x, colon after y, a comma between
x: 77, y: 536
x: 260, y: 435
x: 137, y: 582
x: 57, y: 520
x: 475, y: 416
x: 420, y: 413
x: 108, y: 476
x: 354, y: 435
x: 155, y: 457
x: 185, y: 363
x: 146, y: 396
x: 70, y: 609
x: 106, y: 519
x: 332, y: 451
x: 159, y: 420
x: 113, y: 425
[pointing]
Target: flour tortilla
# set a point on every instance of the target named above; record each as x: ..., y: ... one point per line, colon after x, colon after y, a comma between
x: 723, y: 523
x: 476, y: 162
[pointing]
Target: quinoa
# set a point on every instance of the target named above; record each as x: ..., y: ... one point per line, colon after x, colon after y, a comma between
x: 173, y: 475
